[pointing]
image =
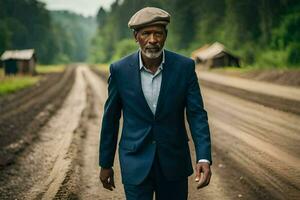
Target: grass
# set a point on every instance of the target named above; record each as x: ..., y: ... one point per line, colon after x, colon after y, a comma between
x: 102, y: 67
x: 1, y: 73
x: 12, y: 84
x: 44, y: 69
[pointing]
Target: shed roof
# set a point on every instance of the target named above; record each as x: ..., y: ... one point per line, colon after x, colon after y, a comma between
x: 212, y: 51
x: 195, y: 53
x: 25, y: 54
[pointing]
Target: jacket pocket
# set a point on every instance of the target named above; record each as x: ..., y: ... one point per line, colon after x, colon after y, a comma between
x: 127, y: 146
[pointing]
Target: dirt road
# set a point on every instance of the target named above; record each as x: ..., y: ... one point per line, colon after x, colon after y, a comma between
x: 255, y: 150
x: 23, y: 113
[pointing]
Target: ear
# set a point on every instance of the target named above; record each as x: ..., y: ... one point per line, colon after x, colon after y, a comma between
x: 135, y: 35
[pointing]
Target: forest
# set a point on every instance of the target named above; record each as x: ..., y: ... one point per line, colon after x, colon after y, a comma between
x: 57, y: 36
x: 261, y: 32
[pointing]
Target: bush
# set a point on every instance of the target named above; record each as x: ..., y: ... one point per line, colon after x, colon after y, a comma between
x: 272, y: 58
x: 124, y: 47
x: 293, y: 54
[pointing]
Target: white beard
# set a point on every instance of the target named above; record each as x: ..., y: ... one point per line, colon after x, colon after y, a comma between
x: 152, y: 55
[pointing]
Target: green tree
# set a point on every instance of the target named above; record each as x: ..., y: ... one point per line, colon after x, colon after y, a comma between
x: 263, y: 31
x: 125, y: 47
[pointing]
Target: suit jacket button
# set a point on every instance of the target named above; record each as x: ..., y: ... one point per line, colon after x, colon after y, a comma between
x: 153, y: 142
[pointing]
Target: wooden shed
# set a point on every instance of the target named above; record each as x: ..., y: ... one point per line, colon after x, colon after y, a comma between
x: 19, y: 61
x: 215, y: 56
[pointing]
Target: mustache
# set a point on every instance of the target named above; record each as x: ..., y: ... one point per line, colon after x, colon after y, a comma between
x: 151, y: 46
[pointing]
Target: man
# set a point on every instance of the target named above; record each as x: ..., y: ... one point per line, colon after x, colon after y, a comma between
x: 153, y: 87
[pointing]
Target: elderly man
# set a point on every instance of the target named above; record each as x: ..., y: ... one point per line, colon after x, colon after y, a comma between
x: 153, y: 87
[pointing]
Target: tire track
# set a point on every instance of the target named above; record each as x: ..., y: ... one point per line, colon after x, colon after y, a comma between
x: 70, y: 187
x: 90, y: 186
x: 19, y: 127
x: 40, y: 170
x: 262, y: 143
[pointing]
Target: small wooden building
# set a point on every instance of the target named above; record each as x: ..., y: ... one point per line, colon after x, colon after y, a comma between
x: 215, y: 56
x: 19, y: 61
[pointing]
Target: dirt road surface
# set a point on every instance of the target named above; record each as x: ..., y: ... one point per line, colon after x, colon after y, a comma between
x: 22, y: 114
x: 255, y: 150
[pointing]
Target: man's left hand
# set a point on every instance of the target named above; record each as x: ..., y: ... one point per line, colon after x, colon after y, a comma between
x: 203, y: 174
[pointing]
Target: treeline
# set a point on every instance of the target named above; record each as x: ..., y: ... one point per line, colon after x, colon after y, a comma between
x: 57, y: 37
x: 261, y: 32
x: 74, y: 33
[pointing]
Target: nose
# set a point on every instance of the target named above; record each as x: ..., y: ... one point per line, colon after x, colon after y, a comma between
x: 152, y: 39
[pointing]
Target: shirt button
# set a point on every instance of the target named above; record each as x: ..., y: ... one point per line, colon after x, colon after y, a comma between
x: 154, y: 105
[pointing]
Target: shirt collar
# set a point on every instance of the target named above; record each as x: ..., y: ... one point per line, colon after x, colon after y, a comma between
x: 161, y: 64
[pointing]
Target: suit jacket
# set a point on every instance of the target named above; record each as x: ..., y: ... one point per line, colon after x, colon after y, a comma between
x: 143, y: 133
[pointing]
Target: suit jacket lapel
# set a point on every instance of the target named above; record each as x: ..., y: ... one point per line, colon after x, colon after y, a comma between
x: 165, y: 83
x: 136, y: 76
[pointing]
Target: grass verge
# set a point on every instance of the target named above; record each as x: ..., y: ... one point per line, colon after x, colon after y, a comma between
x: 1, y: 73
x: 11, y: 84
x: 44, y: 69
x: 102, y: 67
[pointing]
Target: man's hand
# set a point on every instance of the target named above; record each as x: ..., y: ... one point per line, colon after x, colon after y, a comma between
x: 203, y: 174
x: 107, y: 178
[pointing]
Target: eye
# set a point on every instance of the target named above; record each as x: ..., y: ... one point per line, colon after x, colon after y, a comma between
x: 158, y: 34
x: 145, y: 33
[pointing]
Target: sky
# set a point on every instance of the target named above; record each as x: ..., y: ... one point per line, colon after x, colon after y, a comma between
x: 84, y: 7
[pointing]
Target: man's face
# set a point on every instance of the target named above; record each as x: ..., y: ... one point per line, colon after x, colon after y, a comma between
x: 151, y: 40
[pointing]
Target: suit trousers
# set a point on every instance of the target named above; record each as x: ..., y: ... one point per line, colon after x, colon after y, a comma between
x: 156, y: 183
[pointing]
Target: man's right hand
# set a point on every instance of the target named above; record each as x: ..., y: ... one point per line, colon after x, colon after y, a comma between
x: 107, y: 178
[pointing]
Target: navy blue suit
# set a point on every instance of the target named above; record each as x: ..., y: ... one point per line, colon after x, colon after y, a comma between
x: 145, y: 135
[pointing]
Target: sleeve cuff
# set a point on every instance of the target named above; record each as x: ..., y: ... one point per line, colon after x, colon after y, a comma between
x: 204, y: 160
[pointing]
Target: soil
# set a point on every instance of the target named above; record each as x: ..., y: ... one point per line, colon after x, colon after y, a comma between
x: 255, y: 150
x: 289, y: 77
x: 23, y: 113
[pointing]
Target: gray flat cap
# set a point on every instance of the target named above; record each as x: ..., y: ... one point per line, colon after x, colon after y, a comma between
x: 149, y: 16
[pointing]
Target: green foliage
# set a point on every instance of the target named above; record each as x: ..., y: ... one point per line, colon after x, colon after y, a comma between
x: 286, y: 36
x: 24, y: 24
x: 97, y: 52
x: 5, y: 36
x: 113, y: 28
x: 101, y: 17
x: 288, y: 31
x: 125, y: 47
x: 293, y: 54
x: 272, y: 59
x: 260, y: 32
x: 248, y: 52
x: 56, y: 36
x: 74, y: 33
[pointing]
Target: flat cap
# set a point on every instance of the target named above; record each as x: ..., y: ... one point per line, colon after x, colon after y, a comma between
x: 149, y: 16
